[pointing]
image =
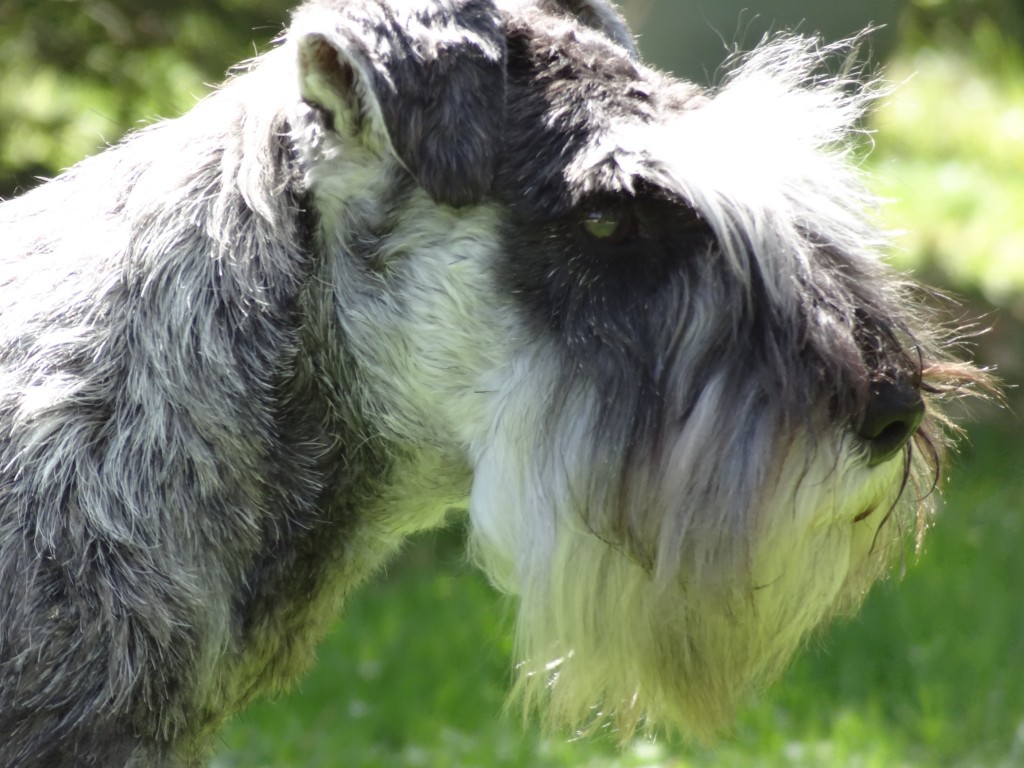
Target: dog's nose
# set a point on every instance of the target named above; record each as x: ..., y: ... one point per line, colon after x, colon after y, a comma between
x: 892, y: 416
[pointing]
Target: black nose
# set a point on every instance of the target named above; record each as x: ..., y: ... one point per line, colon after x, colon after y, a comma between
x: 891, y: 417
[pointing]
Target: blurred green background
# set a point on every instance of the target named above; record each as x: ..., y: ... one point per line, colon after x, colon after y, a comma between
x: 931, y: 673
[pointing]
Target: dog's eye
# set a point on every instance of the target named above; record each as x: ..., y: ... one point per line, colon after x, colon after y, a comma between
x: 610, y: 224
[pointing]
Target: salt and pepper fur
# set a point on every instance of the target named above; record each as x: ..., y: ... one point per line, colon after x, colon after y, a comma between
x: 246, y: 352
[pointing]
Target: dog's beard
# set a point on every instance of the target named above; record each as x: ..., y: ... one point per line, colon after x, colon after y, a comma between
x: 664, y: 582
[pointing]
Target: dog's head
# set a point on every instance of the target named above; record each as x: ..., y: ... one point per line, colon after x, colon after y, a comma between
x: 701, y: 412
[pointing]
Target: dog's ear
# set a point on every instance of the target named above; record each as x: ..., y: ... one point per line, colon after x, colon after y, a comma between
x: 429, y: 75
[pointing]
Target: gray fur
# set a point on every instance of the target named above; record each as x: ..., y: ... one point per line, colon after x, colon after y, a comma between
x: 244, y: 353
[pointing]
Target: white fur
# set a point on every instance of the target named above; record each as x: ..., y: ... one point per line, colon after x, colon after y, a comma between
x: 731, y: 594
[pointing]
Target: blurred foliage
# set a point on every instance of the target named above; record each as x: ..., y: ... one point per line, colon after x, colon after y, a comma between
x: 952, y: 23
x: 950, y: 146
x: 77, y: 74
x: 693, y: 37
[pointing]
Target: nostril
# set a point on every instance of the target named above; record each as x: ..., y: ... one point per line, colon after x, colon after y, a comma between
x: 891, y: 417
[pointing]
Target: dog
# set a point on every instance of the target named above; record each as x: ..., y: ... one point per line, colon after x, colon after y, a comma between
x: 430, y: 258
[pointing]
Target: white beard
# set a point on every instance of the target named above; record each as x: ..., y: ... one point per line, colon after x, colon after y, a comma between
x: 695, y: 606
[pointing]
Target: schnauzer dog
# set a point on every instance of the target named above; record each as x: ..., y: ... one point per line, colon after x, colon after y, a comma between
x: 436, y: 256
